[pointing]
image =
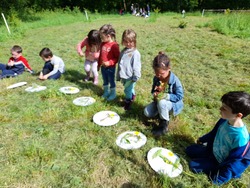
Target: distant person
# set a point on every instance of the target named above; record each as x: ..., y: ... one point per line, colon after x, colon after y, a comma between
x: 132, y: 8
x: 16, y: 64
x: 167, y: 94
x: 109, y: 55
x: 53, y: 67
x: 148, y: 10
x: 92, y: 43
x: 224, y: 152
x: 183, y: 13
x: 129, y: 66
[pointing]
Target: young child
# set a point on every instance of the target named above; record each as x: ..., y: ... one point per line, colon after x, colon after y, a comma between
x: 167, y: 94
x: 53, y: 67
x: 109, y: 55
x: 16, y: 64
x: 129, y: 66
x: 92, y: 43
x: 224, y: 152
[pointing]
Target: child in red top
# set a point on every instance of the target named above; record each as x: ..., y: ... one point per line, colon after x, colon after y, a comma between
x: 109, y: 55
x: 16, y: 64
x: 92, y: 43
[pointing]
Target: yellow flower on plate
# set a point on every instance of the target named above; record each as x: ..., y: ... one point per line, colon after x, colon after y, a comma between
x: 111, y: 115
x: 137, y: 133
x: 171, y: 154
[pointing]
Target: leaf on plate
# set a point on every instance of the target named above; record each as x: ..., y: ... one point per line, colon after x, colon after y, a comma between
x: 157, y: 153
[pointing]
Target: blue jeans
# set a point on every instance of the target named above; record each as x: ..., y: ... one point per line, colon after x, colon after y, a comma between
x: 47, y: 68
x: 108, y: 76
x: 202, y: 159
x: 129, y: 88
x: 6, y: 72
x: 163, y: 108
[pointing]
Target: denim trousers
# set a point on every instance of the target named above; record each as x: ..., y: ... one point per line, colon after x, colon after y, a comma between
x: 6, y: 72
x: 162, y: 107
x: 202, y: 160
x: 129, y: 88
x: 108, y: 76
x: 47, y: 68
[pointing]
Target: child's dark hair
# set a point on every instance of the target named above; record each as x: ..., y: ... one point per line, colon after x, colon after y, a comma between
x: 129, y: 35
x: 238, y: 101
x: 16, y: 49
x: 46, y: 52
x: 161, y: 61
x: 108, y: 29
x: 94, y: 38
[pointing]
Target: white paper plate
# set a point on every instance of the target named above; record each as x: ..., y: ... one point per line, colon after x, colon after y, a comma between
x: 69, y: 90
x: 84, y: 101
x: 16, y: 85
x: 164, y: 161
x: 35, y: 88
x: 131, y: 140
x: 106, y: 118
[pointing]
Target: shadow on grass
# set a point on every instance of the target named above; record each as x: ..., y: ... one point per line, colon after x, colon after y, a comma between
x: 130, y: 185
x: 76, y: 77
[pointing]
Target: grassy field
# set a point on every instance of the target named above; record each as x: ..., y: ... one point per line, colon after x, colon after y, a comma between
x: 47, y: 141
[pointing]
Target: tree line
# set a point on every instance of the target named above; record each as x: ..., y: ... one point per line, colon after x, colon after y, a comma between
x: 112, y: 6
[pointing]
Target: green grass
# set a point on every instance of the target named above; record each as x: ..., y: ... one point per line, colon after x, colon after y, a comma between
x: 234, y: 24
x: 47, y: 141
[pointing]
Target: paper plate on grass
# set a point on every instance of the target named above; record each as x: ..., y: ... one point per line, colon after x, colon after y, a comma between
x: 106, y: 118
x: 131, y: 140
x: 69, y: 90
x: 164, y: 161
x: 16, y: 85
x: 84, y: 101
x: 35, y: 88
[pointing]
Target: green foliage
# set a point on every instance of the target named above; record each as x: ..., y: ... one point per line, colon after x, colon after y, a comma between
x: 234, y: 24
x: 182, y: 24
x: 153, y: 17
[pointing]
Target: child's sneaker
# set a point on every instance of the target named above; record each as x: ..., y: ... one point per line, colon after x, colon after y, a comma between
x: 95, y: 80
x: 87, y: 77
x: 133, y: 97
x: 127, y: 105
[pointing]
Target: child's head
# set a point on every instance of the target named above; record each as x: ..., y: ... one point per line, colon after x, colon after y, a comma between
x: 94, y: 38
x: 107, y: 33
x: 46, y: 54
x: 16, y: 51
x: 161, y: 66
x: 238, y: 102
x: 129, y: 38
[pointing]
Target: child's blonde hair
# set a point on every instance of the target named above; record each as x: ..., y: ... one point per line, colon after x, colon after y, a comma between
x: 129, y: 35
x: 108, y: 29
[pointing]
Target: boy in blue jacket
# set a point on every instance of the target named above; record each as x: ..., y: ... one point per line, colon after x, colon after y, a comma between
x: 224, y: 152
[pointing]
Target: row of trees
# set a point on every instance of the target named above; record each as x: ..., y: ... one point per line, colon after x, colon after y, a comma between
x: 115, y: 5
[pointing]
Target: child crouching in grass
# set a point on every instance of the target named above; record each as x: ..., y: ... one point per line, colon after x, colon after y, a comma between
x: 167, y: 94
x: 53, y: 66
x: 224, y: 152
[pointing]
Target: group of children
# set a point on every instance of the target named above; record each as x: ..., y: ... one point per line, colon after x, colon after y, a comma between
x: 102, y: 53
x: 223, y: 153
x: 53, y: 67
